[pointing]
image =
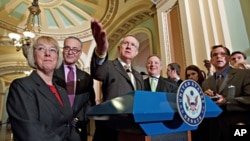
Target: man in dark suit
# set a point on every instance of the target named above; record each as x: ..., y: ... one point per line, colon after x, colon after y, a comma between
x: 83, y: 96
x: 173, y: 72
x: 154, y: 67
x: 233, y: 95
x: 116, y: 79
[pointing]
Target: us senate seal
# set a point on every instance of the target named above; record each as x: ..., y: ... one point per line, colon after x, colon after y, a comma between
x: 191, y: 102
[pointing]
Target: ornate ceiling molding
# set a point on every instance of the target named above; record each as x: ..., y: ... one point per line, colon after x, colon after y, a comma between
x: 60, y: 18
x: 127, y: 25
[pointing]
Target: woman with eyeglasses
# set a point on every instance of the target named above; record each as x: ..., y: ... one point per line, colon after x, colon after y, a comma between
x: 39, y: 110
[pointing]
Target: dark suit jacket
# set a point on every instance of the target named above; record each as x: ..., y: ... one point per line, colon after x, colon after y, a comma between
x: 164, y: 85
x: 116, y: 81
x: 34, y: 112
x: 236, y: 109
x: 241, y: 80
x: 179, y: 82
x: 84, y: 95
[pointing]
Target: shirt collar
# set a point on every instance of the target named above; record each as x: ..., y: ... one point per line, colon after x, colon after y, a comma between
x: 73, y: 66
x: 123, y: 63
x: 224, y: 72
x: 157, y: 77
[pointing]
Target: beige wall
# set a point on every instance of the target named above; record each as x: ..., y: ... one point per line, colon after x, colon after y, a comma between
x: 203, y: 24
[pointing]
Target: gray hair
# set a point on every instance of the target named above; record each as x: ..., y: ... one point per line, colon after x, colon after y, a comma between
x: 138, y: 43
x: 46, y: 39
x: 72, y: 37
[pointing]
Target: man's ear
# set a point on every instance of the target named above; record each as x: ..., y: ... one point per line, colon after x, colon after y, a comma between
x: 136, y: 52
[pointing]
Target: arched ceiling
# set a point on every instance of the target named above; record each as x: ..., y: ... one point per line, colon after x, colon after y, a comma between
x: 61, y: 18
x: 57, y: 17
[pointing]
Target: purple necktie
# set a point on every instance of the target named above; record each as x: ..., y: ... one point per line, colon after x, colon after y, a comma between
x: 70, y: 85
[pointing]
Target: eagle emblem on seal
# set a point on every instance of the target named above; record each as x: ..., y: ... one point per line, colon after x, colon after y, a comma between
x: 192, y: 101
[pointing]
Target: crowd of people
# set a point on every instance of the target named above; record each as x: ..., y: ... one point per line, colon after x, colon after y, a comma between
x: 51, y: 103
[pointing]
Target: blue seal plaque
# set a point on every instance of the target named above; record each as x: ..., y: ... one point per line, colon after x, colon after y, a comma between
x: 191, y: 103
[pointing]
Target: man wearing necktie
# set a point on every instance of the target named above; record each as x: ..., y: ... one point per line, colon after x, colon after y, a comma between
x: 233, y: 94
x: 156, y: 83
x: 219, y: 81
x: 114, y: 77
x: 130, y: 74
x: 79, y: 85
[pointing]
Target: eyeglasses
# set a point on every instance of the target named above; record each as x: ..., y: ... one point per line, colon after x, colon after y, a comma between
x: 44, y: 49
x: 219, y: 53
x: 74, y: 49
x: 126, y: 43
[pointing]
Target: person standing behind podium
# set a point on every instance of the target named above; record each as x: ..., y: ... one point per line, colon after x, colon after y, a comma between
x: 173, y: 72
x: 154, y: 67
x: 115, y: 79
x: 193, y: 72
x: 83, y: 95
x: 233, y: 95
x: 38, y: 108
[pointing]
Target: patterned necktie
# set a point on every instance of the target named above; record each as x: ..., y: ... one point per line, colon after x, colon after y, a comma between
x: 70, y: 85
x: 127, y: 68
x: 219, y: 82
x: 153, y: 84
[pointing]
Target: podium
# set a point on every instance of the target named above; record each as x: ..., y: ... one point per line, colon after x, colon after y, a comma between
x: 152, y: 113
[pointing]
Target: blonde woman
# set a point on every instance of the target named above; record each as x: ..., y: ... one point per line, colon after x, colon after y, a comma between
x: 38, y: 109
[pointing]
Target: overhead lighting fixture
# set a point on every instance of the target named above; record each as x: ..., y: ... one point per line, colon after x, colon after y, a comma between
x: 32, y: 24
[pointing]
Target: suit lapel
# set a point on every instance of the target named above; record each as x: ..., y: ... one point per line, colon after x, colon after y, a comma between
x: 147, y: 84
x: 78, y: 92
x: 60, y: 76
x: 64, y: 96
x: 138, y: 78
x: 229, y: 76
x: 161, y: 84
x: 212, y: 83
x: 42, y: 87
x: 121, y: 70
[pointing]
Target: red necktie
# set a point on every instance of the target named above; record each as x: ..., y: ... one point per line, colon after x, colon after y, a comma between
x: 70, y: 85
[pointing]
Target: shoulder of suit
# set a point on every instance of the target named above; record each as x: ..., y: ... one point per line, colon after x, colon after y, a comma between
x: 240, y: 71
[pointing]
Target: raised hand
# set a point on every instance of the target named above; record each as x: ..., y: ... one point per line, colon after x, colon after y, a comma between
x: 100, y: 37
